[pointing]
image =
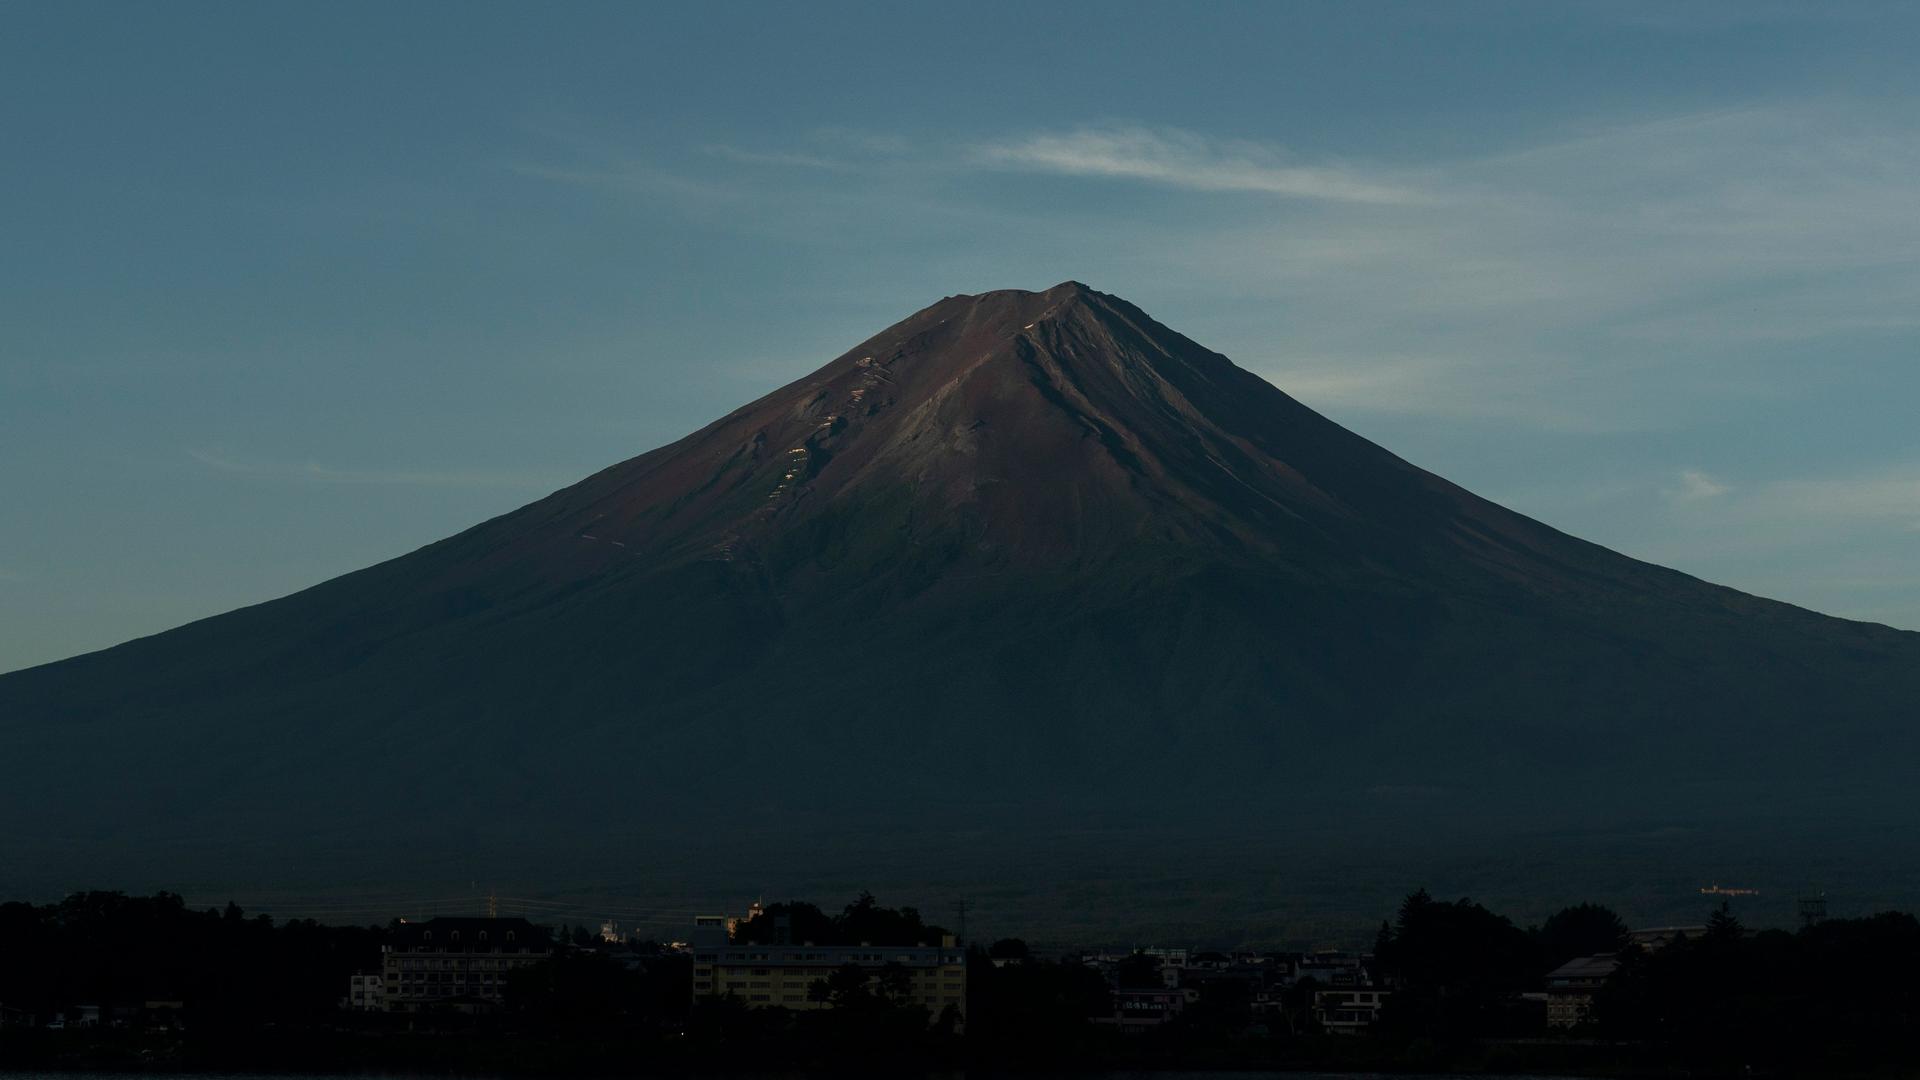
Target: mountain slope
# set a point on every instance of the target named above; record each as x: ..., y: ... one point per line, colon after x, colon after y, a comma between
x: 1022, y: 557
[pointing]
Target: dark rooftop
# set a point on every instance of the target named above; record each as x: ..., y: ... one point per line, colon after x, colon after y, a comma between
x: 469, y: 933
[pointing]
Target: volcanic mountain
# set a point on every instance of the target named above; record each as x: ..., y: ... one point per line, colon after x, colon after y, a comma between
x: 1020, y: 568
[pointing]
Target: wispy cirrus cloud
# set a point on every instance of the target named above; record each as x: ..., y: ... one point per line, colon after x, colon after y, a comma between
x: 1709, y: 515
x: 1888, y: 495
x: 1645, y: 272
x: 1693, y: 485
x: 1184, y: 159
x: 1840, y: 542
x: 775, y: 158
x: 619, y: 177
x: 315, y: 473
x: 1624, y: 274
x: 1453, y: 387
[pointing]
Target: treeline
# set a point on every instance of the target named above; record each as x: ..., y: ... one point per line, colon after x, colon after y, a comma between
x: 863, y: 922
x: 155, y: 956
x: 1839, y: 995
x: 1464, y: 987
x: 220, y: 966
x: 1836, y: 996
x: 1459, y: 971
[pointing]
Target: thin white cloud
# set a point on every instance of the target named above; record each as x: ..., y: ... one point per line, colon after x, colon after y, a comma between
x: 1677, y: 273
x: 572, y: 151
x: 1645, y: 272
x: 1868, y: 510
x: 775, y: 158
x: 1692, y: 485
x: 315, y: 473
x: 1626, y: 276
x: 1885, y: 495
x: 627, y: 178
x: 867, y: 144
x: 1186, y: 160
x: 1840, y: 543
x: 1454, y: 387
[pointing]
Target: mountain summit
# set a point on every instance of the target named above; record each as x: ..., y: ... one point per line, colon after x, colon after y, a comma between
x: 1021, y: 566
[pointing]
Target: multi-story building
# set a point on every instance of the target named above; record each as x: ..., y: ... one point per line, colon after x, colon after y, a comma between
x: 1572, y: 986
x: 1170, y: 963
x: 1170, y: 957
x: 1332, y: 968
x: 1346, y: 1000
x: 1348, y: 1011
x: 783, y: 976
x: 457, y: 963
x: 366, y: 992
x: 1134, y: 1009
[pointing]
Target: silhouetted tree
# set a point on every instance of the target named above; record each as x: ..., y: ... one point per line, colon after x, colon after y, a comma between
x: 1039, y: 1009
x: 841, y: 987
x: 1457, y: 969
x: 1296, y: 1003
x: 110, y: 949
x: 863, y: 921
x: 1834, y: 998
x: 1138, y: 972
x: 1383, y: 938
x: 1582, y: 930
x: 1009, y: 949
x: 1224, y: 1009
x: 1722, y: 926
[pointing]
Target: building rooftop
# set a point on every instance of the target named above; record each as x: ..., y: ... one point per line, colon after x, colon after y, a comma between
x: 1584, y: 969
x: 469, y: 933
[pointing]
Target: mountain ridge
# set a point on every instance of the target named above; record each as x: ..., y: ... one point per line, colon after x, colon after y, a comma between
x: 1017, y: 552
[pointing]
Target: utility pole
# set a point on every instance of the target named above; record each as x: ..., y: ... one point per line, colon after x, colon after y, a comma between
x: 962, y: 939
x: 493, y: 904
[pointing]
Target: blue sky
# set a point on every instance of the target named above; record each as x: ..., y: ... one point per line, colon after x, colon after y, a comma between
x: 286, y: 290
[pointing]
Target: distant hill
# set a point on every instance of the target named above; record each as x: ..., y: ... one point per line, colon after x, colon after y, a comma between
x: 1025, y: 588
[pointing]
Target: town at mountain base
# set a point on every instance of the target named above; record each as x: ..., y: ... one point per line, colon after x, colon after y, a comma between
x: 1025, y: 580
x: 1446, y: 985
